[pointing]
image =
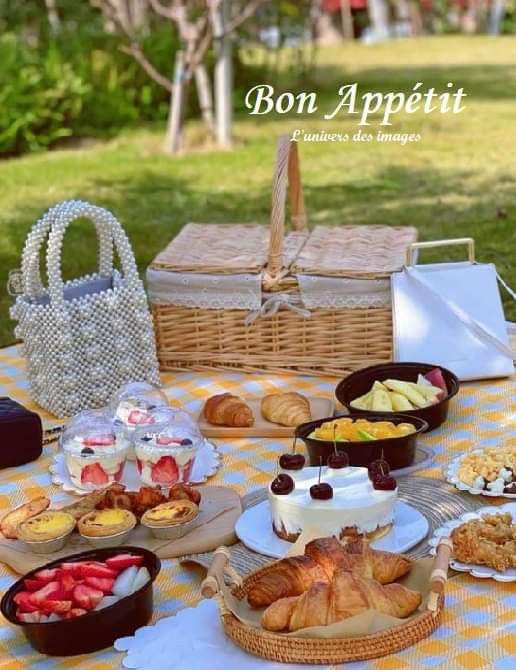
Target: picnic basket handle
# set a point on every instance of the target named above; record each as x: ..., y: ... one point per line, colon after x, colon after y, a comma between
x: 469, y: 241
x: 287, y: 176
x: 439, y: 574
x: 210, y: 585
x: 30, y: 269
x: 70, y: 212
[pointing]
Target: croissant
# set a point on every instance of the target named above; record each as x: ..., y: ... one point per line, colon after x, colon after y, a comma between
x: 226, y: 409
x: 322, y: 558
x: 345, y: 596
x: 287, y: 409
x: 359, y: 558
x: 288, y: 577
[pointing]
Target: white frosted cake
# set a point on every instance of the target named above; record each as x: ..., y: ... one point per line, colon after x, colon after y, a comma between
x: 355, y: 508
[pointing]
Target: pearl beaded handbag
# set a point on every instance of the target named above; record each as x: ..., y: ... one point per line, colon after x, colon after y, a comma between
x: 82, y: 338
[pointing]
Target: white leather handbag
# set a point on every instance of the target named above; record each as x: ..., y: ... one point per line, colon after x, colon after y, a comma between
x: 451, y: 314
x: 82, y: 338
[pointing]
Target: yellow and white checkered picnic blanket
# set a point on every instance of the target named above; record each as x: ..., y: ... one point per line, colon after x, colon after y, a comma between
x: 478, y: 630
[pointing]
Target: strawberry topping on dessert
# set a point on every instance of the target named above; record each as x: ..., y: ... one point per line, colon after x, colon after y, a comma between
x: 94, y: 474
x: 99, y: 440
x: 138, y: 418
x: 165, y: 471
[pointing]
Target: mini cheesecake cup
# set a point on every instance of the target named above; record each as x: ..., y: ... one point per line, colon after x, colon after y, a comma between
x: 46, y: 546
x: 95, y: 450
x: 166, y: 450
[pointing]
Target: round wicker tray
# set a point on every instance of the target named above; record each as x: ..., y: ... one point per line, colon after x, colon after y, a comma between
x: 291, y: 649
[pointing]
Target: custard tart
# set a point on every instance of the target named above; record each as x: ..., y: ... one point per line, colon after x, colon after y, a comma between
x: 171, y: 513
x: 46, y: 526
x: 171, y: 519
x: 106, y: 522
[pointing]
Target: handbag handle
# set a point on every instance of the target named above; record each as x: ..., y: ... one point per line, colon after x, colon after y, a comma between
x: 469, y: 241
x: 287, y: 176
x: 30, y: 269
x: 70, y: 211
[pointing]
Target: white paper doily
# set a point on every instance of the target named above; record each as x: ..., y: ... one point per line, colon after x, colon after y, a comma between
x: 481, y: 571
x: 452, y: 475
x: 207, y: 462
x: 254, y: 529
x: 192, y: 639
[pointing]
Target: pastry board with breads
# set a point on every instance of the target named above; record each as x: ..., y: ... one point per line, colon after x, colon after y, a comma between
x: 254, y: 423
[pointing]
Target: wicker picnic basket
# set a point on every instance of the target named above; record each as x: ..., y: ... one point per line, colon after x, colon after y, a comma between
x: 281, y: 335
x: 322, y: 651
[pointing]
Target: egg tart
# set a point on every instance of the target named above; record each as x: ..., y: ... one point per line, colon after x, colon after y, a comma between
x: 106, y: 522
x: 49, y: 525
x: 171, y: 513
x: 171, y: 520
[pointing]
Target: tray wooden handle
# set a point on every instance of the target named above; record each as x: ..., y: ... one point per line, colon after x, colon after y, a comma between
x: 439, y: 574
x: 468, y: 241
x: 211, y: 583
x: 287, y: 176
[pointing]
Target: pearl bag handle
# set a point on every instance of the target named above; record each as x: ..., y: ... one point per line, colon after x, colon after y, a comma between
x: 31, y: 274
x: 104, y: 220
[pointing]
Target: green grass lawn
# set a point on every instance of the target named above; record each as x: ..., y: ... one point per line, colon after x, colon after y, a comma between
x: 459, y: 180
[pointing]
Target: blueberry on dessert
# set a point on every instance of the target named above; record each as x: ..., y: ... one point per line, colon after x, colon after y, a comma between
x: 282, y: 485
x: 378, y: 467
x: 87, y: 451
x: 292, y: 461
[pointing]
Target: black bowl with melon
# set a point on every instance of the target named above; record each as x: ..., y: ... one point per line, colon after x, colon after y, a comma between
x: 398, y: 451
x: 359, y: 383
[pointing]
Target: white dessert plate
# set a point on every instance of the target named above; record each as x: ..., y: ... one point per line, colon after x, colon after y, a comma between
x: 481, y: 571
x: 452, y: 476
x: 207, y: 462
x: 254, y: 529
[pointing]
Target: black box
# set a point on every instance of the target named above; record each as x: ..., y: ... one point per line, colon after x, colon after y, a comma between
x: 21, y: 434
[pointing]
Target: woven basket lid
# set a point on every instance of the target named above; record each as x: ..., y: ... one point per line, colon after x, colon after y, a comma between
x: 218, y: 248
x: 354, y: 251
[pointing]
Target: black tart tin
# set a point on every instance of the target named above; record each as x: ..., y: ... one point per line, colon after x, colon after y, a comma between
x: 94, y: 630
x: 360, y: 382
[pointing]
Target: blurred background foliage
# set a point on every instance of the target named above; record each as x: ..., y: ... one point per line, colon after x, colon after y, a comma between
x: 60, y: 83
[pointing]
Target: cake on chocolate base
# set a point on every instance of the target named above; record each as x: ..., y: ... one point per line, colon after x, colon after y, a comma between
x: 355, y: 508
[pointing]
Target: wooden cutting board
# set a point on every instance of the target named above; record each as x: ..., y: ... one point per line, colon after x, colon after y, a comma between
x: 320, y: 408
x: 219, y: 510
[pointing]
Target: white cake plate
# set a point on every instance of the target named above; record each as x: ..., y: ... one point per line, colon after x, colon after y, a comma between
x: 480, y: 571
x: 254, y: 529
x: 207, y: 462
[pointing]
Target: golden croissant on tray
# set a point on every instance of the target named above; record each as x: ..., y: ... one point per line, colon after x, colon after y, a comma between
x: 226, y: 409
x: 287, y: 409
x: 344, y: 596
x: 323, y: 557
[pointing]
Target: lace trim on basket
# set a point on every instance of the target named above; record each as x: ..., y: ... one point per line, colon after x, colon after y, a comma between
x: 332, y: 292
x: 244, y: 291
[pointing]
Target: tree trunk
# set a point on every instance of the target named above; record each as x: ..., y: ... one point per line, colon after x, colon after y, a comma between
x: 173, y: 139
x: 223, y: 75
x: 379, y: 16
x: 205, y: 97
x: 347, y: 20
x: 496, y: 14
x: 53, y: 16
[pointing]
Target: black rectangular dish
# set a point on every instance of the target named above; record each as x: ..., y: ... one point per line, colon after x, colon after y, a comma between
x: 96, y: 629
